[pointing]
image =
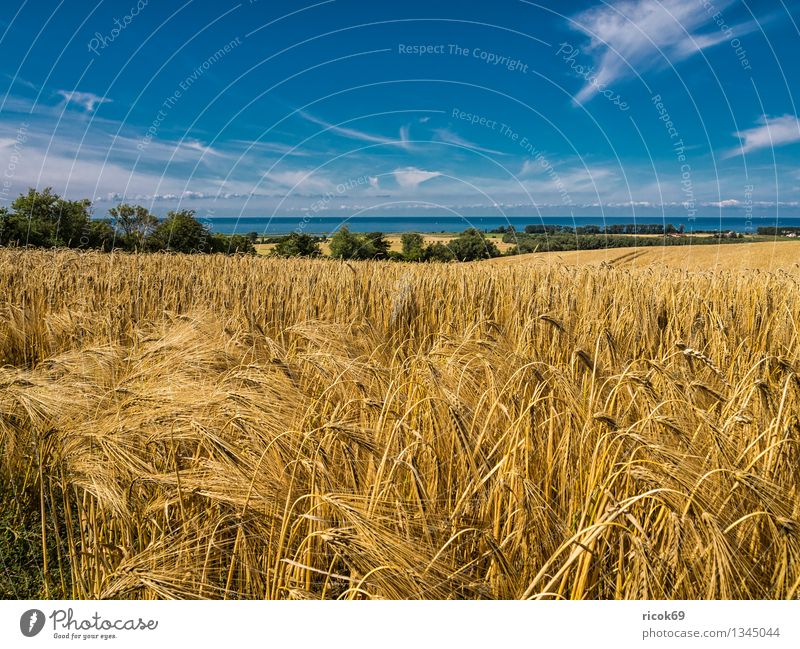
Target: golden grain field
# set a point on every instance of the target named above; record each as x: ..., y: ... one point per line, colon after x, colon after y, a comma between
x: 229, y: 427
x: 764, y: 255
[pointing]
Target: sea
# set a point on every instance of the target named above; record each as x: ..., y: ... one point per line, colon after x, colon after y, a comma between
x: 326, y: 225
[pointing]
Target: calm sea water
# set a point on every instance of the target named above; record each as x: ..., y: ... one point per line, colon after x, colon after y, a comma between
x: 326, y: 225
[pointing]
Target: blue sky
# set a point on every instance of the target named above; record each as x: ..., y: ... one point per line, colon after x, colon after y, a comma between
x: 630, y: 107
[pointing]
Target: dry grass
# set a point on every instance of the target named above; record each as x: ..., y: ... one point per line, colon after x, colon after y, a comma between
x: 251, y: 428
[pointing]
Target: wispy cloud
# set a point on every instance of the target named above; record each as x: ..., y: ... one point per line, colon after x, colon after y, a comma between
x: 299, y: 180
x: 188, y: 195
x: 446, y: 135
x: 404, y: 135
x: 354, y: 134
x: 106, y: 162
x: 411, y: 177
x: 626, y: 36
x: 572, y: 176
x: 86, y: 100
x: 770, y: 133
x: 16, y: 79
x: 272, y: 147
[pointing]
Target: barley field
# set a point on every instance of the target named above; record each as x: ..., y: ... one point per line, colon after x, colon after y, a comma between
x: 241, y: 427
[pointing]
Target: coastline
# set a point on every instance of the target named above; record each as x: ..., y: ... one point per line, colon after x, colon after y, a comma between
x: 327, y: 225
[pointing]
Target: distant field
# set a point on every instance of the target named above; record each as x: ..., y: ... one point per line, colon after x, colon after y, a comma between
x: 729, y: 256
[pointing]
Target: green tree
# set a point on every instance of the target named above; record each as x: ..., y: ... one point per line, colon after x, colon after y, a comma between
x: 72, y: 221
x: 297, y: 245
x: 181, y: 232
x: 378, y: 245
x: 346, y: 245
x: 472, y: 245
x: 438, y: 252
x: 45, y: 219
x: 239, y: 243
x: 33, y: 218
x: 99, y: 234
x: 413, y: 246
x: 5, y: 224
x: 230, y: 244
x: 135, y: 223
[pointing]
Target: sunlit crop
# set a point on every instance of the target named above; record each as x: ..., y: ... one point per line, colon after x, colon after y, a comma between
x: 239, y: 427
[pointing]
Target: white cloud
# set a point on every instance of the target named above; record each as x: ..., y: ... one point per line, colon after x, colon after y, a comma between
x: 528, y: 167
x: 104, y: 164
x: 44, y: 162
x: 771, y: 132
x: 86, y: 100
x: 626, y: 36
x: 646, y: 204
x: 411, y: 177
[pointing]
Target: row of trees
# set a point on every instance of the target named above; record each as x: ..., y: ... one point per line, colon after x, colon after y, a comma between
x: 562, y: 242
x: 44, y: 219
x: 775, y: 231
x: 618, y: 228
x: 470, y: 245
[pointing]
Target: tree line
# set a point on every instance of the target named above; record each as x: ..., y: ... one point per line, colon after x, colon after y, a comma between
x: 561, y: 242
x: 45, y: 219
x: 470, y: 245
x: 615, y: 228
x: 778, y: 231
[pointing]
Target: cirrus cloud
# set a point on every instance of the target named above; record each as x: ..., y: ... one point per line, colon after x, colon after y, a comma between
x: 627, y: 36
x: 770, y: 133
